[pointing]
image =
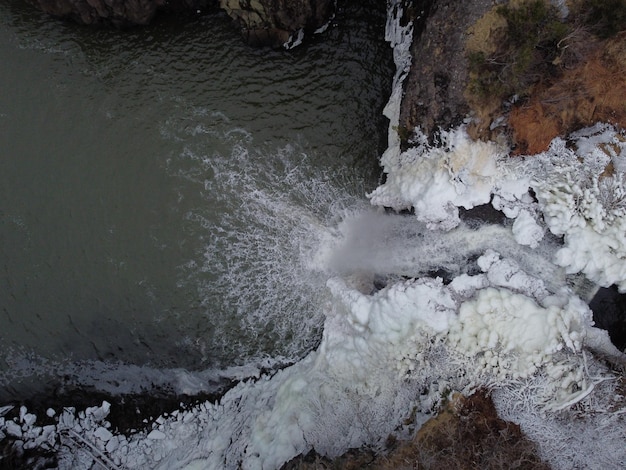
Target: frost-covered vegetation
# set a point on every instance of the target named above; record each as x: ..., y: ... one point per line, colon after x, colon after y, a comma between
x: 575, y: 190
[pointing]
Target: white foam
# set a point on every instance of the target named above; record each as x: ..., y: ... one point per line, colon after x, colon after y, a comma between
x: 117, y: 378
x: 265, y: 215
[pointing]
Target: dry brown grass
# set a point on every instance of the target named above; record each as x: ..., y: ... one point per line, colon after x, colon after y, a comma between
x: 592, y: 90
x: 468, y: 434
x: 564, y: 75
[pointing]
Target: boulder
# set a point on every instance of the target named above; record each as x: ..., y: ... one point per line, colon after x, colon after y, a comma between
x: 277, y: 22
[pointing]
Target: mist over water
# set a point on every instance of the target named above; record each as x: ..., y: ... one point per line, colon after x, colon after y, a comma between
x: 163, y: 190
x: 389, y: 246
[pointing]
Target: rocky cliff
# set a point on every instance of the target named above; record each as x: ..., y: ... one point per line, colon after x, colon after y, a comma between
x: 278, y: 22
x: 524, y: 70
x: 262, y: 22
x: 434, y: 89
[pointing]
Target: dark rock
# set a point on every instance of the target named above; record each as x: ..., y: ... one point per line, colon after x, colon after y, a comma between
x: 274, y: 22
x: 480, y: 215
x: 353, y: 459
x: 434, y: 89
x: 262, y: 22
x: 609, y: 313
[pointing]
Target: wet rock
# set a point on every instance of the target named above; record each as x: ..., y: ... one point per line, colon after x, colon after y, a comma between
x: 434, y: 89
x: 275, y: 22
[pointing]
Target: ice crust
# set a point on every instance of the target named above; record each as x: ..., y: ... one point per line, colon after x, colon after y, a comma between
x: 387, y: 351
x: 579, y: 193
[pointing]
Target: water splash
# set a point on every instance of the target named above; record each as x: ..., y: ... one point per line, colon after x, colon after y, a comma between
x: 263, y: 215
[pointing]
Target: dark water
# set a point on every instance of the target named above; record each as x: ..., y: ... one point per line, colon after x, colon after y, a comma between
x: 163, y: 190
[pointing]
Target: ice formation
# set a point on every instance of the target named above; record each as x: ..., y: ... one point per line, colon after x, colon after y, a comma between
x: 437, y: 180
x: 580, y: 193
x: 378, y: 354
x: 388, y: 350
x: 583, y: 197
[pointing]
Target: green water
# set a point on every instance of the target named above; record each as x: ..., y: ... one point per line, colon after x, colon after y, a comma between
x: 162, y: 189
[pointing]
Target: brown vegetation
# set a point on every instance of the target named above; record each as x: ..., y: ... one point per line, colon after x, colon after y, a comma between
x: 549, y: 76
x: 591, y: 91
x: 466, y: 435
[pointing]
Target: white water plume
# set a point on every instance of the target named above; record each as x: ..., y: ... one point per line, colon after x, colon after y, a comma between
x: 265, y: 212
x: 375, y: 243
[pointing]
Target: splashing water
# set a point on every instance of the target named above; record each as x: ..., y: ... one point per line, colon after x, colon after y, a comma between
x: 265, y: 213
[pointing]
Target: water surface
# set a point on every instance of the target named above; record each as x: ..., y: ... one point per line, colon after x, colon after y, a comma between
x: 163, y: 189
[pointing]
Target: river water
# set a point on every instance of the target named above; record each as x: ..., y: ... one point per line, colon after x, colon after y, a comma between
x: 164, y: 190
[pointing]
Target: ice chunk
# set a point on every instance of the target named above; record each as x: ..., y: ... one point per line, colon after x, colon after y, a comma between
x: 13, y: 429
x: 103, y: 434
x: 526, y: 230
x: 156, y: 435
x: 437, y: 180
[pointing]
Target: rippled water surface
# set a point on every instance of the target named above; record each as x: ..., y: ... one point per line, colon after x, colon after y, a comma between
x: 163, y: 190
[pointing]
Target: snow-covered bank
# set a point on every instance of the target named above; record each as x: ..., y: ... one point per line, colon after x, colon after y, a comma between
x: 508, y: 320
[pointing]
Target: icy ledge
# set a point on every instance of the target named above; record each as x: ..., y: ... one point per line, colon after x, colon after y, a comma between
x: 579, y: 188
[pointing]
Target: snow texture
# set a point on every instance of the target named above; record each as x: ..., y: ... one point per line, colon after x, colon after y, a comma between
x: 580, y: 193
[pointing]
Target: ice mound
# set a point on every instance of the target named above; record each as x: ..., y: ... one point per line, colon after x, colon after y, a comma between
x: 437, y: 180
x: 499, y: 323
x: 575, y: 190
